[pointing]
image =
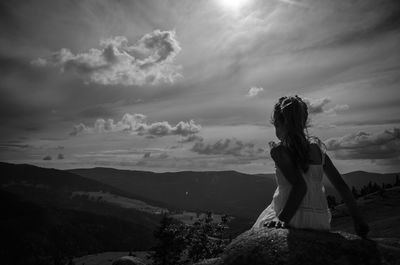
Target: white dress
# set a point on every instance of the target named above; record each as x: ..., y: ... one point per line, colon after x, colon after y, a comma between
x: 313, y: 212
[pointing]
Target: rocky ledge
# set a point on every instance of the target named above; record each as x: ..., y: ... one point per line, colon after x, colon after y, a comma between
x: 267, y: 246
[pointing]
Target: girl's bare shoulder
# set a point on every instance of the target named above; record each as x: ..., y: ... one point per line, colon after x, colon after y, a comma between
x: 279, y: 152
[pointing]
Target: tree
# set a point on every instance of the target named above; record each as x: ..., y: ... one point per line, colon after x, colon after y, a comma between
x: 71, y: 261
x: 179, y: 243
x: 171, y: 243
x: 355, y: 192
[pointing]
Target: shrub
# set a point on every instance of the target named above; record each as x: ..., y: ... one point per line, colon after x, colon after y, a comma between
x: 180, y: 243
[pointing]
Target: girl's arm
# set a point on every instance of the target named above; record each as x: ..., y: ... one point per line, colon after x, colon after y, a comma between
x: 361, y: 227
x: 293, y: 175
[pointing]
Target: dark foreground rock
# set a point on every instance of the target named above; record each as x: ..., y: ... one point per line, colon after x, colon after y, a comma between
x: 128, y: 260
x: 302, y: 247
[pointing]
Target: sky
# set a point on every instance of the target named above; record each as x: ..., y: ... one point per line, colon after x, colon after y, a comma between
x: 174, y: 85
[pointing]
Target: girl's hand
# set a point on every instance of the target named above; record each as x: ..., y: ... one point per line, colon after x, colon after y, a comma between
x: 361, y: 228
x: 276, y: 223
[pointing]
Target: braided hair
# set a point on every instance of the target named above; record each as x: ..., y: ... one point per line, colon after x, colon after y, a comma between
x: 291, y: 113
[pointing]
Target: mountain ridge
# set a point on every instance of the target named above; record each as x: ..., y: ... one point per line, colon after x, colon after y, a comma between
x: 244, y: 195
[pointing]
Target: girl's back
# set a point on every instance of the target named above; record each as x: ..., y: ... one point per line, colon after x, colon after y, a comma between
x: 313, y: 212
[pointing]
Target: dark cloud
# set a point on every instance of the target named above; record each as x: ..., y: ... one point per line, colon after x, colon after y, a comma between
x: 388, y: 13
x: 364, y: 145
x: 14, y: 146
x: 137, y: 123
x: 232, y: 147
x: 13, y: 101
x: 149, y: 61
x: 47, y: 158
x: 78, y: 129
x: 152, y: 160
x: 9, y: 23
x: 95, y: 112
x: 370, y: 122
x: 191, y: 138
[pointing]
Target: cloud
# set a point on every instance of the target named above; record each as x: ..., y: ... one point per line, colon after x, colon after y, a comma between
x: 191, y: 138
x: 78, y: 129
x: 164, y: 128
x: 136, y: 123
x: 337, y: 108
x: 232, y: 147
x: 317, y: 106
x: 12, y: 146
x: 116, y: 62
x: 149, y: 155
x: 364, y: 145
x: 47, y: 158
x: 254, y: 91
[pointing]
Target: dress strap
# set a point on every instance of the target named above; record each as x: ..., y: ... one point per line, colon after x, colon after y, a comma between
x: 322, y: 147
x: 322, y: 156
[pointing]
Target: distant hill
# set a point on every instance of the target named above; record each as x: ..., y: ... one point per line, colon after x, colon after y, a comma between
x: 46, y: 210
x: 228, y: 192
x: 360, y: 178
x: 16, y: 176
x: 34, y: 234
x: 41, y: 220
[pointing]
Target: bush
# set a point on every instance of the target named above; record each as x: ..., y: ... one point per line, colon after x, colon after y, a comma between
x: 180, y: 244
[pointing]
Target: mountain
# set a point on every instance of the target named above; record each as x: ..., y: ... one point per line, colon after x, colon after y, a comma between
x: 230, y: 192
x: 358, y: 179
x: 361, y: 178
x: 20, y: 176
x: 49, y: 214
x: 43, y: 220
x: 37, y: 234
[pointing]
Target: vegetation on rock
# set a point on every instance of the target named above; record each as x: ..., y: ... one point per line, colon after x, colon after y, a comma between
x: 184, y: 244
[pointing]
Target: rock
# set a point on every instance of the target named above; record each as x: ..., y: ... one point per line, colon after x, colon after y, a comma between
x: 128, y: 260
x: 267, y: 246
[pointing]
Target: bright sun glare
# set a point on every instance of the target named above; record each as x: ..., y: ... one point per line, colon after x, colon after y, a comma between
x: 234, y: 5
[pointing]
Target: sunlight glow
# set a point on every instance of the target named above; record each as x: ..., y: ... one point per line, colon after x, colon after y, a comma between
x: 234, y: 5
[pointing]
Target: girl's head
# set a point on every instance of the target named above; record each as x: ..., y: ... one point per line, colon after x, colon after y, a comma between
x: 290, y: 118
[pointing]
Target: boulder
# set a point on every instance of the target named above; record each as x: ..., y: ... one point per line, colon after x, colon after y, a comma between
x: 128, y: 260
x: 268, y: 246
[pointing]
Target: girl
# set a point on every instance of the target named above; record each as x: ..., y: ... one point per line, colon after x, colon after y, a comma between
x: 299, y: 200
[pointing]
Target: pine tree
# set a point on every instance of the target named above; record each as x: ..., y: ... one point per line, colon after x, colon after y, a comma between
x: 355, y: 192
